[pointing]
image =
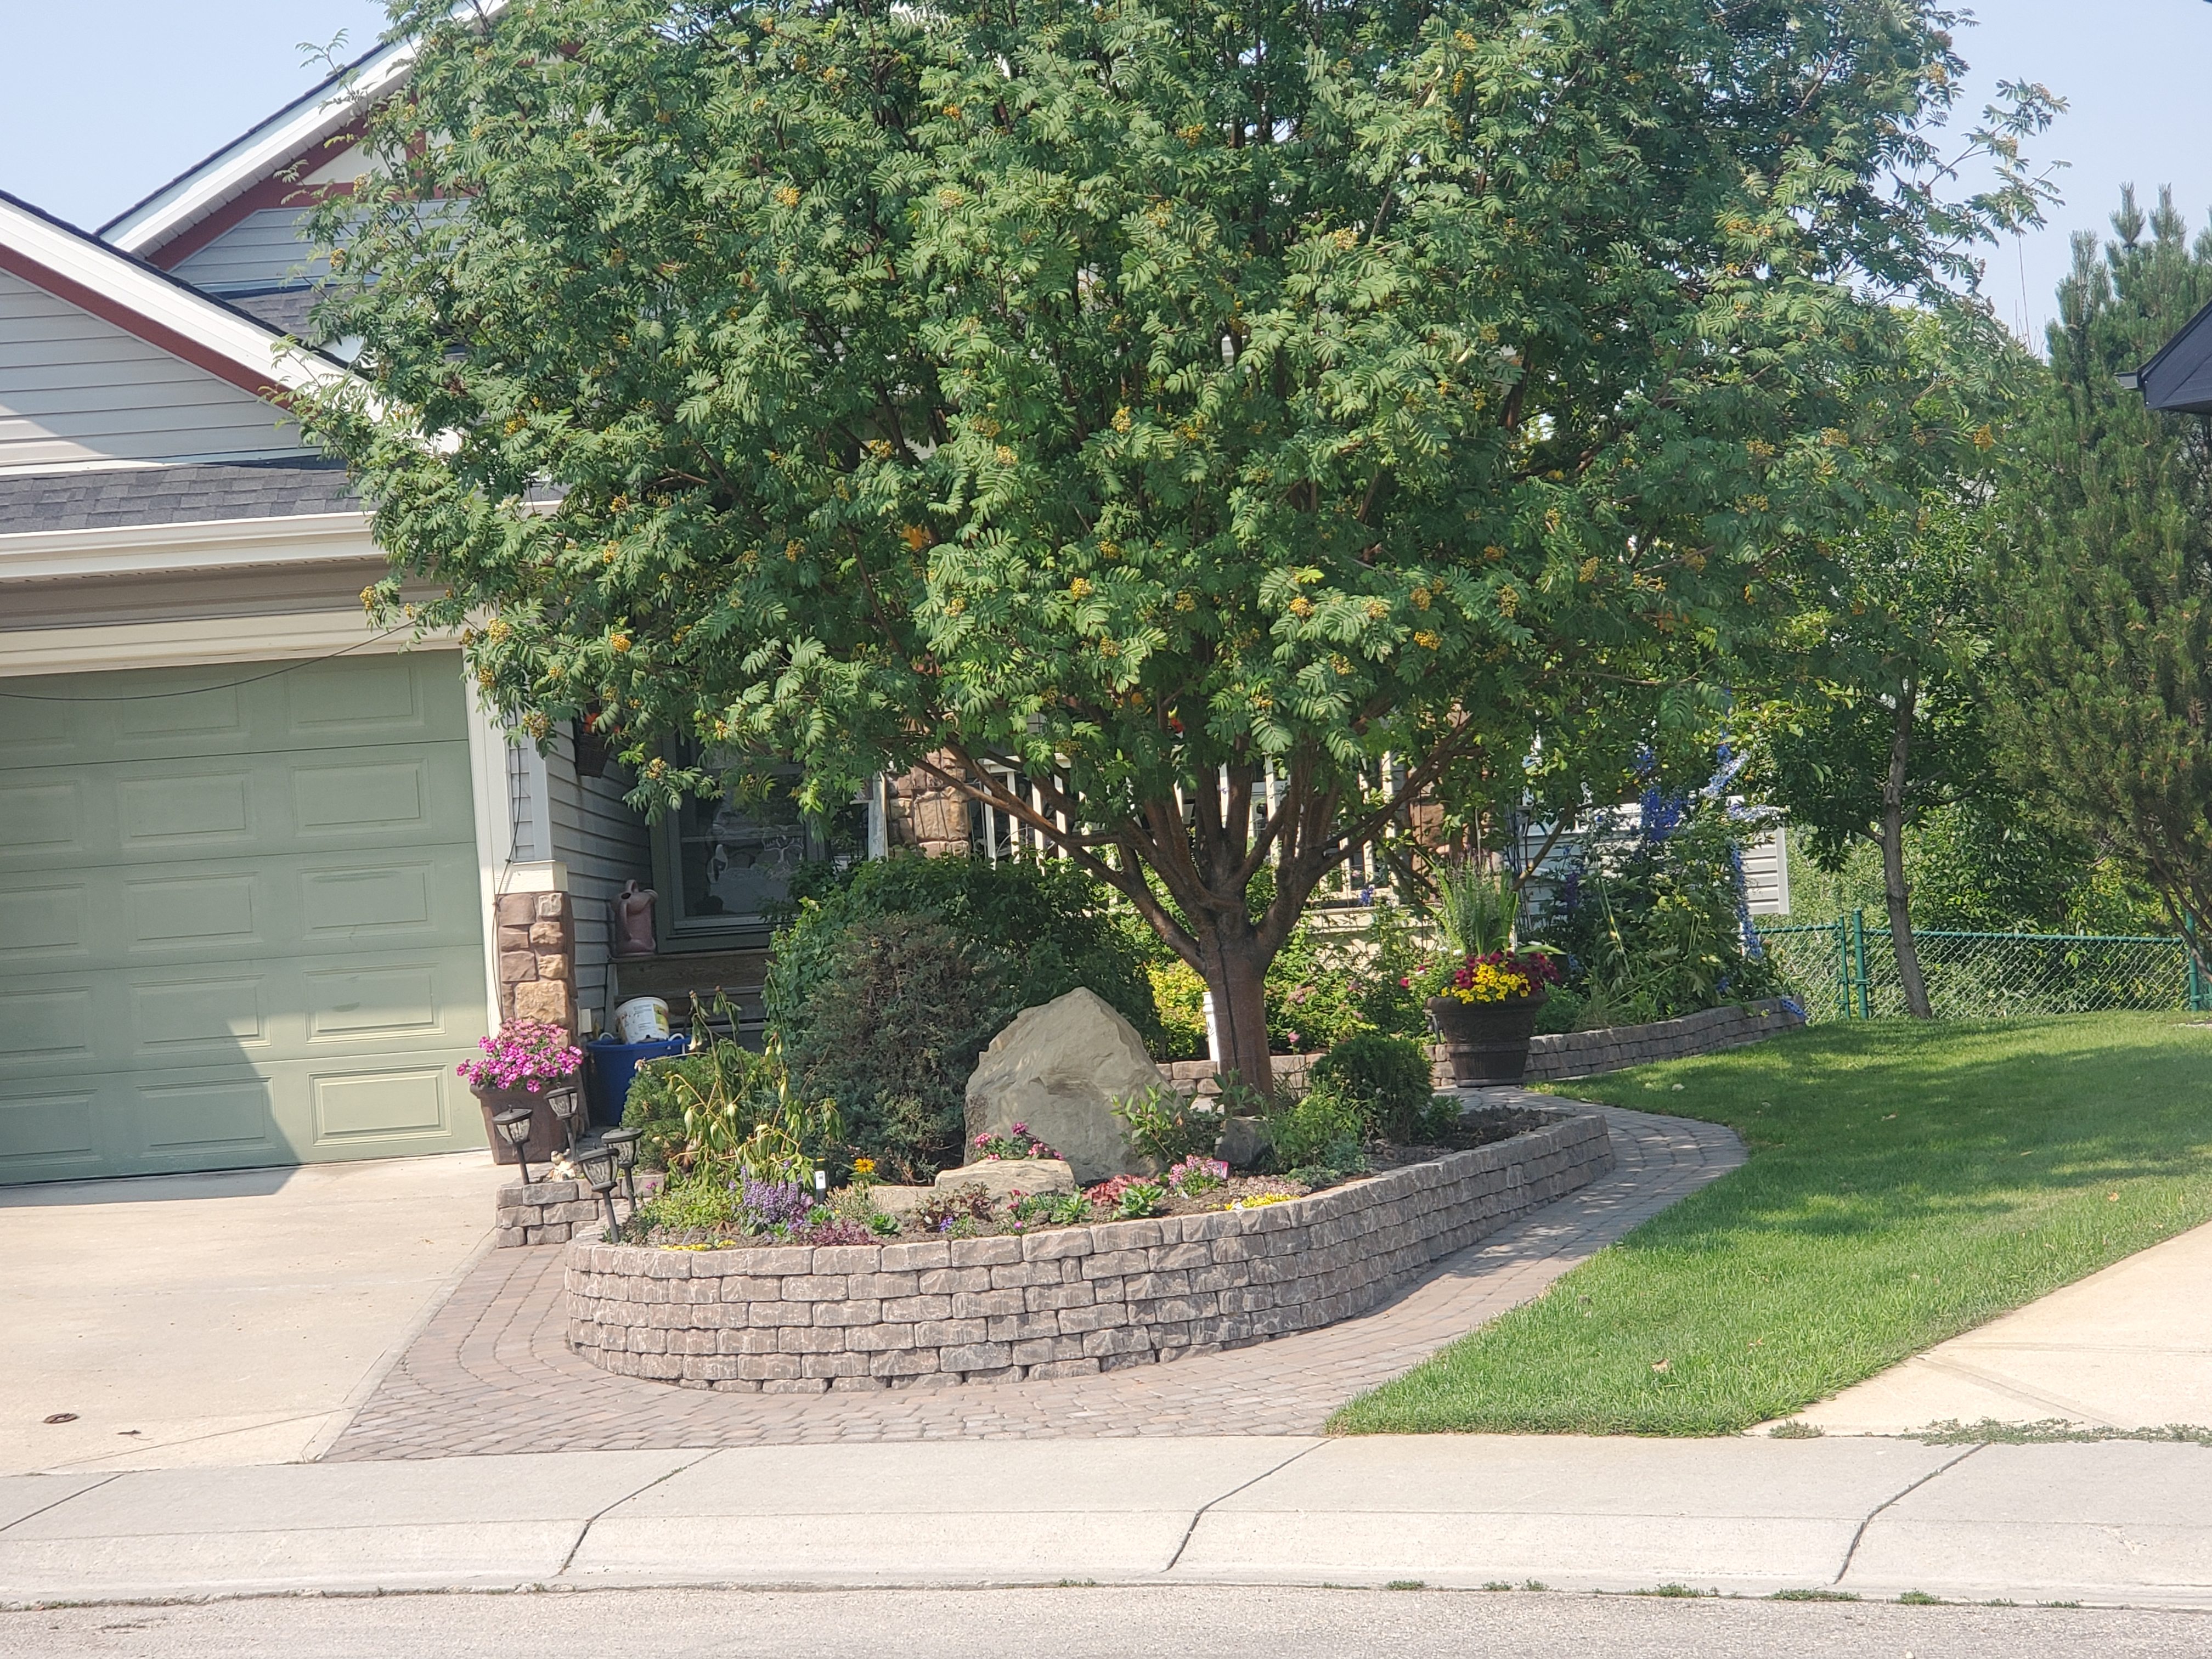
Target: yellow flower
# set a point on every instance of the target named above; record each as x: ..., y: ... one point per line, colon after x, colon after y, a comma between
x: 864, y: 1166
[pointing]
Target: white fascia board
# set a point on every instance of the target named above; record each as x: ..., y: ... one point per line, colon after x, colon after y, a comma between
x: 277, y: 637
x: 170, y: 304
x: 214, y: 544
x: 273, y: 145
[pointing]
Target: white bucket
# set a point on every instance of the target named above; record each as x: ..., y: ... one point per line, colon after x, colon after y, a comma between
x: 641, y: 1019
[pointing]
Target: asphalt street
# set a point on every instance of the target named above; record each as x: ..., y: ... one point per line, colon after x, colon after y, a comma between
x: 1082, y: 1623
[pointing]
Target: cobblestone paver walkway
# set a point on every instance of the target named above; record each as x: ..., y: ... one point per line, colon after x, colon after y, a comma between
x: 492, y: 1371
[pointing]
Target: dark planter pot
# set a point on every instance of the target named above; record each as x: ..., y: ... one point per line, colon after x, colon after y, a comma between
x: 1486, y: 1042
x: 546, y: 1136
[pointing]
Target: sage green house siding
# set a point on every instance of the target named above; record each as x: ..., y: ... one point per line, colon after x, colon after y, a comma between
x: 240, y: 923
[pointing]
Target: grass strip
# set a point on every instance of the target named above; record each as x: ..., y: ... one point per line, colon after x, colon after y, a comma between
x: 1907, y: 1181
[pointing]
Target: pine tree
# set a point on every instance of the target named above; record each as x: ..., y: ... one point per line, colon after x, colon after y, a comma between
x: 2103, y: 664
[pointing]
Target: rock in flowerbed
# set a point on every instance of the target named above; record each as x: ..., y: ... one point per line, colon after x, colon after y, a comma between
x: 1006, y: 1196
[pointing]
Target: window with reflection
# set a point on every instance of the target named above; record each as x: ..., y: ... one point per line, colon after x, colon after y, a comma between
x: 722, y: 866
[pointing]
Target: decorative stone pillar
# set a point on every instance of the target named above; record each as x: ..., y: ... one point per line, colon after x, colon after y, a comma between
x: 922, y: 812
x: 538, y: 958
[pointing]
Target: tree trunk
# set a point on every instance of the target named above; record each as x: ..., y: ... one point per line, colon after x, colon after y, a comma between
x: 1894, y: 894
x: 1236, y: 971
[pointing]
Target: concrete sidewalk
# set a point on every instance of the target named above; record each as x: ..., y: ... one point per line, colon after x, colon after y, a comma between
x: 2127, y: 1348
x: 2122, y: 1524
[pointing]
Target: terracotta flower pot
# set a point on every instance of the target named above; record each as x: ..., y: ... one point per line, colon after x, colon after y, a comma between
x: 546, y: 1137
x: 1486, y: 1043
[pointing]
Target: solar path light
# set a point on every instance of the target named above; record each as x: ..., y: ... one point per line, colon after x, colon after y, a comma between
x: 567, y: 1105
x: 624, y: 1143
x: 597, y: 1164
x: 513, y: 1127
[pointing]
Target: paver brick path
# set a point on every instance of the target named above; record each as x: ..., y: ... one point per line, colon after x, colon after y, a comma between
x: 492, y: 1371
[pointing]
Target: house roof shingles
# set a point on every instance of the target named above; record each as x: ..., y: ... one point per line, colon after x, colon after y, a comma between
x: 190, y: 494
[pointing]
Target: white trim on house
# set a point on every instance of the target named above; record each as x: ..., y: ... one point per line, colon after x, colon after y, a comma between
x: 88, y: 265
x: 215, y: 543
x: 246, y: 161
x: 186, y: 641
x: 277, y: 143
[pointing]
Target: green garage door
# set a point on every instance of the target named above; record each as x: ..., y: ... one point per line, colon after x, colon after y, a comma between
x: 239, y: 922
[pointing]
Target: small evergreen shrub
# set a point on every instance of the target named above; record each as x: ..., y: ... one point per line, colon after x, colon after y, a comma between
x: 1323, y: 1127
x: 1385, y: 1079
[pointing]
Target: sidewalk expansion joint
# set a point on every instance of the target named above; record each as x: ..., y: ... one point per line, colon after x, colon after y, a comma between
x: 1874, y: 1514
x: 591, y: 1521
x: 58, y: 1502
x: 1199, y: 1514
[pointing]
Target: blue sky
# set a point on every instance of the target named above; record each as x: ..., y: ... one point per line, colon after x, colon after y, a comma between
x: 103, y: 100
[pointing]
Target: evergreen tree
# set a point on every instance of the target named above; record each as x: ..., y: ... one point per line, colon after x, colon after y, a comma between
x: 2103, y: 581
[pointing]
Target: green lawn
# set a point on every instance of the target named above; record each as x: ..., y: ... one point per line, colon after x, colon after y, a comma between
x: 1906, y: 1183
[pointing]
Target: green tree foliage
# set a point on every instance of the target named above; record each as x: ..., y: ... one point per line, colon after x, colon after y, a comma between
x: 1044, y: 927
x: 2105, y: 583
x: 1184, y: 404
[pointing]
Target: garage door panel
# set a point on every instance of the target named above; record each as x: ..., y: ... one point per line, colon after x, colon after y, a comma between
x: 240, y: 925
x: 232, y: 909
x: 360, y: 1005
x: 50, y: 923
x: 98, y: 816
x: 165, y: 714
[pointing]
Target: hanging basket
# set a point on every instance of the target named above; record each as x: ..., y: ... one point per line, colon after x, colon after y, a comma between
x: 1486, y: 1043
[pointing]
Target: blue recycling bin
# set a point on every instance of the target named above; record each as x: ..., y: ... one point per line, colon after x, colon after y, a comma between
x: 613, y: 1068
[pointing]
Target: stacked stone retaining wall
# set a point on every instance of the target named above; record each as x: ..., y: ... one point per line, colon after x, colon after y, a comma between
x: 1610, y: 1048
x: 1061, y: 1302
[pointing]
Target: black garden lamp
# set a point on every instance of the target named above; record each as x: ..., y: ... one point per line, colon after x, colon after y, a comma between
x: 567, y: 1105
x: 623, y: 1144
x: 513, y: 1127
x: 597, y: 1164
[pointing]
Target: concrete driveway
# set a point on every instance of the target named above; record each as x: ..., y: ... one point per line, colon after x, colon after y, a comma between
x: 219, y: 1319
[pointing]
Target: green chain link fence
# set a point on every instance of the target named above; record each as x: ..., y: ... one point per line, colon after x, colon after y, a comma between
x: 1848, y: 970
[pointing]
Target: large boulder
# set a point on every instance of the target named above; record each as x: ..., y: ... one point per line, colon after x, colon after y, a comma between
x: 1058, y: 1069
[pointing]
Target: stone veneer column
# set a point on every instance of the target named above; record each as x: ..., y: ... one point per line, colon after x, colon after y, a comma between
x: 922, y: 813
x: 538, y: 958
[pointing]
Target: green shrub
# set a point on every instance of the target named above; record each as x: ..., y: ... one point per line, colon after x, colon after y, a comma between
x: 902, y: 1006
x: 1322, y: 1127
x: 1560, y: 1012
x: 1386, y: 1078
x: 1042, y: 925
x: 1169, y: 1125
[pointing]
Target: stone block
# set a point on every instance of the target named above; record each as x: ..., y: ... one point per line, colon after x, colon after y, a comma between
x: 1047, y: 1350
x: 810, y: 1338
x: 1116, y: 1339
x: 986, y: 1252
x: 796, y: 1385
x: 1053, y: 1370
x: 551, y: 906
x: 1022, y: 1274
x: 1113, y: 1236
x: 1020, y: 1327
x: 833, y: 1364
x: 816, y: 1287
x: 768, y: 1367
x: 944, y: 1281
x: 976, y: 1356
x: 948, y: 1333
x: 910, y: 1309
x: 994, y: 1374
x: 1040, y: 1298
x: 852, y: 1311
x: 880, y: 1338
x: 847, y: 1258
x: 552, y: 965
x: 517, y: 909
x: 552, y: 1000
x: 857, y: 1384
x: 746, y: 1342
x: 516, y: 966
x: 903, y: 1362
x: 917, y: 1257
x: 1058, y: 1245
x: 547, y: 936
x: 1004, y: 1177
x: 1115, y: 1264
x: 980, y: 1304
x: 1103, y: 1317
x: 885, y: 1287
